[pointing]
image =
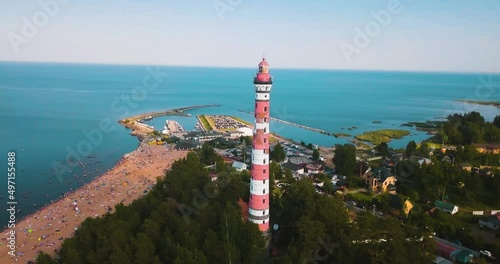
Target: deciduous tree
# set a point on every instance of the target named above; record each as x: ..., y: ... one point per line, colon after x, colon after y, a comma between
x: 315, y: 155
x: 345, y: 159
x: 278, y: 154
x: 383, y: 149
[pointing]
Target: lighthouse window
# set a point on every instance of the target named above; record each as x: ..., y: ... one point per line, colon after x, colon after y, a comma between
x: 263, y: 200
x: 264, y: 161
x: 264, y: 191
x: 264, y: 171
x: 265, y: 140
x: 265, y: 108
x: 263, y: 221
x: 265, y: 119
x: 263, y: 212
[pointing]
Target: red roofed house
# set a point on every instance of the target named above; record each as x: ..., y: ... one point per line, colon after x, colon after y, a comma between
x: 315, y: 168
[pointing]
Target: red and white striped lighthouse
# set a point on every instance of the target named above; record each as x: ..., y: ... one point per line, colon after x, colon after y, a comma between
x: 258, y: 211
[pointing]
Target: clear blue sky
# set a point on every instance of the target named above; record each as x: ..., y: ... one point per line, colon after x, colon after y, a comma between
x: 427, y: 35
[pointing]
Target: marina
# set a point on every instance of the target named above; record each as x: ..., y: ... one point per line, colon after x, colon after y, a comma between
x: 140, y: 129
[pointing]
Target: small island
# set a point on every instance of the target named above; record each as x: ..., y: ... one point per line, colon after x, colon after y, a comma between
x: 492, y: 103
x: 383, y: 135
x: 427, y: 126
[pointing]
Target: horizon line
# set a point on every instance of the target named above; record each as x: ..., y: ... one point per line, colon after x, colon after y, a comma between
x: 244, y: 67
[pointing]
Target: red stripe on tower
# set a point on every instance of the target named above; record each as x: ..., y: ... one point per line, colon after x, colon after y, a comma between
x: 258, y: 211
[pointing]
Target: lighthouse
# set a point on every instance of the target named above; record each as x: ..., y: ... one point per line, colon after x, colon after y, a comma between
x: 258, y: 211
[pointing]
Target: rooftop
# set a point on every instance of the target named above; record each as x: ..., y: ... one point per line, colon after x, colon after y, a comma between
x: 444, y: 205
x: 292, y: 166
x: 314, y: 166
x: 239, y: 165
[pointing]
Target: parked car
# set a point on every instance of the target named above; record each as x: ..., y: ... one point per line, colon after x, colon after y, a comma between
x: 485, y: 253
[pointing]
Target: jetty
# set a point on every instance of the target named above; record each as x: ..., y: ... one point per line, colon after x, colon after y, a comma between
x: 350, y: 139
x: 177, y: 111
x: 141, y: 130
x: 293, y: 124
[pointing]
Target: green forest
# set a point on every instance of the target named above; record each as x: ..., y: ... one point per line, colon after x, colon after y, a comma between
x: 470, y: 128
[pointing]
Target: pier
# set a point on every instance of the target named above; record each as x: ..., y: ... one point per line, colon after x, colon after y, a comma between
x: 176, y: 111
x: 141, y: 130
x: 350, y: 139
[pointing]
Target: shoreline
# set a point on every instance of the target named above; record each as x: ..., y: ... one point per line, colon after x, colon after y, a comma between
x: 487, y: 103
x: 129, y: 179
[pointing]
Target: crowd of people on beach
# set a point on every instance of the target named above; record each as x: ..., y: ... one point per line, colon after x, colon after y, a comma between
x: 133, y: 176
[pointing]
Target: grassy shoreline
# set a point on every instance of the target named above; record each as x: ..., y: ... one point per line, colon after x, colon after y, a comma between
x: 384, y: 135
x: 427, y: 126
x: 204, y: 122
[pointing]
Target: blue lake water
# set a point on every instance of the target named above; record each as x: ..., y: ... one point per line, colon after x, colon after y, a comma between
x: 48, y: 110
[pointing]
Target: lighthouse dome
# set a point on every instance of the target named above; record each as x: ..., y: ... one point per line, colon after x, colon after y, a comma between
x: 263, y: 63
x: 263, y: 76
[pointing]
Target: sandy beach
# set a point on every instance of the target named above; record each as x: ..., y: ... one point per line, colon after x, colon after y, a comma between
x: 126, y: 181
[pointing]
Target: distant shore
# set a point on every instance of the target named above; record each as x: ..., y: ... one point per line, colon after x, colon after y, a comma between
x: 492, y: 103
